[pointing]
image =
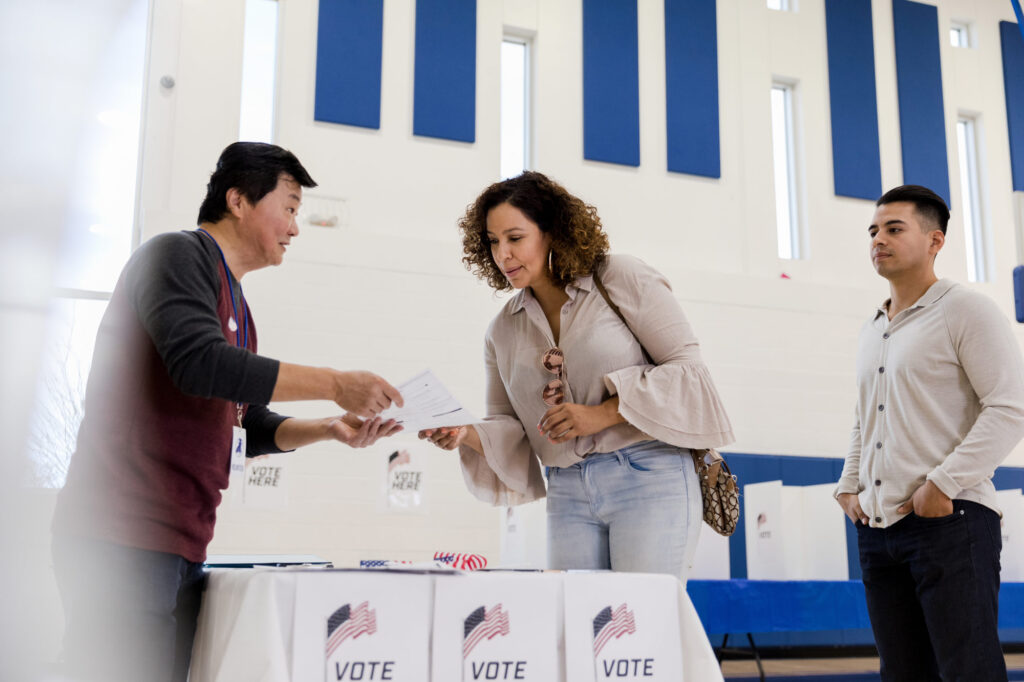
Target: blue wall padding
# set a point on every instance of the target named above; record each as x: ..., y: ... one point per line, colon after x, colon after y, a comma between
x: 611, y: 82
x: 793, y: 470
x: 856, y: 164
x: 919, y: 80
x: 691, y: 87
x: 788, y: 612
x: 1008, y: 478
x: 1018, y: 292
x: 779, y: 605
x: 350, y: 38
x: 1013, y: 82
x: 444, y: 96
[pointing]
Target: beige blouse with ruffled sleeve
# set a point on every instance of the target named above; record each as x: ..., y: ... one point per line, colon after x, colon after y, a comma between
x: 674, y: 401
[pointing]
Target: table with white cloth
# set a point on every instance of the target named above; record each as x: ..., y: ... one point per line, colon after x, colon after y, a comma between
x: 277, y: 625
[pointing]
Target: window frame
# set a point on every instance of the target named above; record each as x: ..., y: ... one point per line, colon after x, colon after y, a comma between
x: 977, y: 238
x: 790, y: 238
x: 960, y: 34
x: 251, y: 95
x: 525, y: 40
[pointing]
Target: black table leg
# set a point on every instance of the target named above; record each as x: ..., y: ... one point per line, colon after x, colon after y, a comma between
x: 757, y: 656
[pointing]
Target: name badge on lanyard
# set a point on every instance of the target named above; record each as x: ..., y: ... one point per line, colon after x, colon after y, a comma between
x: 236, y: 477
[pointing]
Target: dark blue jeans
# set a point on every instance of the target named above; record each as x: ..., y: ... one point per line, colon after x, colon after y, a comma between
x: 130, y: 614
x: 932, y: 590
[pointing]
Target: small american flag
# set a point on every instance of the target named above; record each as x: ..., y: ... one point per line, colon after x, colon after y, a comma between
x: 465, y: 562
x: 483, y: 624
x: 397, y: 458
x: 610, y: 625
x: 347, y: 622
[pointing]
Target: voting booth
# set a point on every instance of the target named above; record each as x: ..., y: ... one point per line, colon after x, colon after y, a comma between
x: 276, y: 625
x: 1011, y: 503
x: 794, y: 532
x: 711, y: 557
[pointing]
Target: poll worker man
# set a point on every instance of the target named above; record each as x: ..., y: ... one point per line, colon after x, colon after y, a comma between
x: 940, y: 404
x: 177, y: 396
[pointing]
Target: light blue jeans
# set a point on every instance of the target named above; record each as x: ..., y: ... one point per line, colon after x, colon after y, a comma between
x: 637, y: 509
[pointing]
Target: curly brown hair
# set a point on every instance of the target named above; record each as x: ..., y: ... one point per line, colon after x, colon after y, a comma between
x: 578, y: 244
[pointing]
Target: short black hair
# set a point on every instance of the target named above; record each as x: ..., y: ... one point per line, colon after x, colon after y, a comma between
x: 253, y: 168
x: 928, y: 204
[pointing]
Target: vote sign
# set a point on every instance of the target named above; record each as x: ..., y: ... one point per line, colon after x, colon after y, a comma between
x: 621, y: 626
x: 497, y: 627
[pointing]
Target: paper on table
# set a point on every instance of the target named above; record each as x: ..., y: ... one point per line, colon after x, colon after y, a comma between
x: 428, y: 405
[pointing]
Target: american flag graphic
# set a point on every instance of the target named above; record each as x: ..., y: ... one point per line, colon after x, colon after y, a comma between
x: 483, y: 624
x: 609, y: 625
x: 347, y: 622
x: 397, y: 458
x: 465, y: 562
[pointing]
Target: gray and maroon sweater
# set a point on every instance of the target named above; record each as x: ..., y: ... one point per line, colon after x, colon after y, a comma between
x: 153, y: 450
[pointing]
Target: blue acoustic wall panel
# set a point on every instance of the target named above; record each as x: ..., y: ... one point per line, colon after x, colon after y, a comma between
x: 691, y: 87
x: 348, y: 55
x: 1013, y: 82
x: 444, y: 97
x: 856, y: 164
x: 919, y: 80
x: 611, y: 82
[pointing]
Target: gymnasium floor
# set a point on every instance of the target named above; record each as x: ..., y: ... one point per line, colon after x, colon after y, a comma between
x: 827, y: 669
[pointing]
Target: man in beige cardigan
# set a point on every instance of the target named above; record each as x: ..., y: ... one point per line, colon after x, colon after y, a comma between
x: 940, y: 404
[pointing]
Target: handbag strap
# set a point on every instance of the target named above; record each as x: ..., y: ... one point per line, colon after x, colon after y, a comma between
x: 699, y: 462
x: 615, y: 309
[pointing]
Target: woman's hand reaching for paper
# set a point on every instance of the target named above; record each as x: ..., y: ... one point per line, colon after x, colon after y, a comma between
x: 451, y: 437
x: 445, y: 437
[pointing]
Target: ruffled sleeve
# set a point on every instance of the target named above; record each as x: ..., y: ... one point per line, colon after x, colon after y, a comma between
x: 508, y: 473
x: 674, y: 401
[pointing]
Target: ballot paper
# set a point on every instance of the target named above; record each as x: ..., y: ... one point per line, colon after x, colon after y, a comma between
x: 428, y: 405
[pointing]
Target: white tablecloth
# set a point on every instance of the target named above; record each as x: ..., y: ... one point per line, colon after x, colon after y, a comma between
x: 247, y: 623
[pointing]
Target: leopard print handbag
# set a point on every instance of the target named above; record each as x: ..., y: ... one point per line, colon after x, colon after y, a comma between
x: 719, y: 491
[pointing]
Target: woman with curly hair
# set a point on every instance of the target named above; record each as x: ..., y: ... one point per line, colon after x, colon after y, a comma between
x: 568, y: 384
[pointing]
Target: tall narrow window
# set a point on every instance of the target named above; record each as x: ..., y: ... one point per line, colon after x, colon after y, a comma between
x: 960, y: 34
x: 787, y: 218
x: 98, y: 233
x: 259, y: 64
x: 970, y: 191
x: 515, y: 106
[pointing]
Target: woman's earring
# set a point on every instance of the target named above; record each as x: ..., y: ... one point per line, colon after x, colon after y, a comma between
x: 550, y: 268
